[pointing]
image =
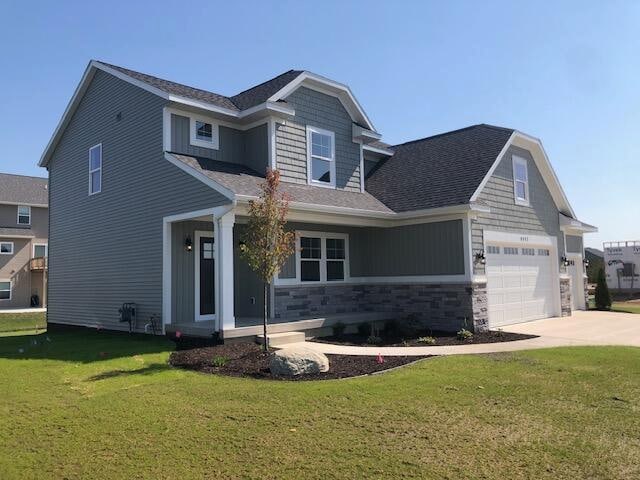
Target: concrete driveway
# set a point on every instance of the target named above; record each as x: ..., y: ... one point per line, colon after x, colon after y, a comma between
x: 582, y: 328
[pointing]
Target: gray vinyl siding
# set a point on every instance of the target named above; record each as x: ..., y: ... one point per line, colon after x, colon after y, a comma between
x: 248, y: 288
x: 574, y: 244
x: 256, y: 149
x: 230, y: 148
x: 424, y: 249
x: 540, y: 218
x: 106, y: 249
x: 39, y: 220
x: 323, y: 111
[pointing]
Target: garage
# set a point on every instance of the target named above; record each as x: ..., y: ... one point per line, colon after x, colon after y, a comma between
x: 521, y: 282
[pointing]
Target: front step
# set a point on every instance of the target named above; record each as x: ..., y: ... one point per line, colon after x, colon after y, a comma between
x: 281, y: 339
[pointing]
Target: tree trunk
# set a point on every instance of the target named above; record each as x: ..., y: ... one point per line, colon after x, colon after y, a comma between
x: 264, y: 318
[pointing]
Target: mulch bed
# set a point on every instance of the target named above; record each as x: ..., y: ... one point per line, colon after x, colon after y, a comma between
x: 248, y: 360
x: 442, y: 338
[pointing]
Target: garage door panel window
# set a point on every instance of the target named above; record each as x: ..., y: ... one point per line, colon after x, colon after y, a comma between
x: 528, y: 251
x: 543, y: 252
x: 510, y: 251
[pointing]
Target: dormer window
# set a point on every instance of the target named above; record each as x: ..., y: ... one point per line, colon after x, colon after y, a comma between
x: 24, y: 215
x: 321, y: 165
x: 520, y: 181
x: 204, y: 133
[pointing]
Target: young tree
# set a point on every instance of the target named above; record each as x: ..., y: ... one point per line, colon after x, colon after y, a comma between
x: 267, y: 244
x: 603, y: 297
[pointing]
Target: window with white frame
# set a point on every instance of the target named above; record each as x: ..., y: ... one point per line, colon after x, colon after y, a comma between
x: 321, y: 165
x: 322, y: 257
x: 95, y: 169
x: 24, y: 215
x: 5, y: 289
x: 40, y: 250
x: 6, y: 248
x: 520, y: 181
x: 204, y: 132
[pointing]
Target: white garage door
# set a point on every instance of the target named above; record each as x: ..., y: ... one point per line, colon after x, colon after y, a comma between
x: 520, y: 284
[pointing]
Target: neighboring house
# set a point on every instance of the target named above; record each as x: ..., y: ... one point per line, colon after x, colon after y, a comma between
x: 24, y: 225
x: 595, y: 259
x: 150, y: 182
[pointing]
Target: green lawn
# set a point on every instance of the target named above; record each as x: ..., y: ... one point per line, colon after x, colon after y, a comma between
x: 101, y: 405
x: 15, y: 322
x: 622, y: 307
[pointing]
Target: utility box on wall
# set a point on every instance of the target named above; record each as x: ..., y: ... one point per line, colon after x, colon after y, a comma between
x: 622, y: 265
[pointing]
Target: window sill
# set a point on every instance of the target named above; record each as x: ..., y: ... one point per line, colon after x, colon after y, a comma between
x: 522, y: 203
x: 204, y: 144
x: 322, y: 185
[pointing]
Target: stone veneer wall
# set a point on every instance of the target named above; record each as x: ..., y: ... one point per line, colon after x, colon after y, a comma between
x: 565, y: 296
x: 440, y: 306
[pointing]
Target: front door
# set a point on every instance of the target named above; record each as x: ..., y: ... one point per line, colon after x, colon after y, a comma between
x: 205, y: 278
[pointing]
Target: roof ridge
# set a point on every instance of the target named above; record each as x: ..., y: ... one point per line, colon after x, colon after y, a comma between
x: 265, y: 82
x: 458, y: 130
x: 24, y: 176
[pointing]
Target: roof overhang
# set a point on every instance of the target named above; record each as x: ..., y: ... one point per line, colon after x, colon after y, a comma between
x: 329, y: 87
x: 377, y: 151
x: 568, y: 224
x: 534, y: 146
x: 364, y: 135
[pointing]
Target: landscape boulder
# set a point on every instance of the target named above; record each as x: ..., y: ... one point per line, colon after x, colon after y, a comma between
x: 292, y: 361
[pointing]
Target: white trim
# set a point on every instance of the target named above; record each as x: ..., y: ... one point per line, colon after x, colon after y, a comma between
x: 332, y: 161
x: 39, y: 244
x: 467, y: 246
x: 273, y: 162
x: 361, y: 169
x: 198, y: 234
x: 95, y: 170
x: 323, y: 236
x: 18, y: 214
x: 382, y: 151
x: 33, y: 205
x: 10, y: 290
x: 224, y: 191
x: 12, y: 248
x: 214, y: 144
x: 515, y: 161
x: 225, y: 307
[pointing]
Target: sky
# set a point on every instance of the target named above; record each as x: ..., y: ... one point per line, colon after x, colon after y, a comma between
x: 565, y: 72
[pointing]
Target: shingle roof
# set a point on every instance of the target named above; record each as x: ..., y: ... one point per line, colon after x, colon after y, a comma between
x: 15, y: 232
x: 243, y: 100
x: 243, y: 181
x: 437, y: 171
x: 23, y: 189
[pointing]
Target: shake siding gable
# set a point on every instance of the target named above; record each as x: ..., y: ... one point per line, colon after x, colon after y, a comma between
x: 106, y: 249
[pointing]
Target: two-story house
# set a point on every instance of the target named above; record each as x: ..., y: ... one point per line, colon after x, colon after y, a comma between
x: 24, y: 225
x: 150, y: 182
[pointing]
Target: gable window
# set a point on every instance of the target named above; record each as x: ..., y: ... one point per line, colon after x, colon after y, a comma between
x: 6, y: 248
x: 95, y: 169
x: 323, y: 257
x: 5, y: 289
x: 520, y: 181
x: 204, y: 133
x: 24, y: 215
x: 321, y: 165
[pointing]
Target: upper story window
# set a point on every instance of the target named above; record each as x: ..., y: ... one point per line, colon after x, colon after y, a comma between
x: 40, y: 250
x: 204, y: 132
x: 95, y: 169
x: 321, y: 165
x: 24, y: 215
x: 323, y: 257
x: 6, y: 248
x: 520, y: 181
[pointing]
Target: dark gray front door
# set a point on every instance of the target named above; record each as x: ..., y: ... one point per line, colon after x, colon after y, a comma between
x: 207, y: 283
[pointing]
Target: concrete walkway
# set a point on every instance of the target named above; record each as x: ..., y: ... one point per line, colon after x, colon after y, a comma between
x: 582, y: 328
x: 22, y: 310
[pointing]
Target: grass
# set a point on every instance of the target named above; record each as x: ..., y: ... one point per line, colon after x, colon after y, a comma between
x: 620, y: 307
x: 102, y: 405
x: 16, y: 322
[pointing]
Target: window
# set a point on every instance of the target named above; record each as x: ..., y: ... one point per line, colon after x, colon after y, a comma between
x: 40, y: 250
x: 24, y: 215
x: 204, y: 133
x: 95, y: 169
x: 492, y: 249
x: 543, y: 252
x: 528, y: 251
x: 323, y: 257
x: 510, y: 251
x: 520, y: 181
x: 5, y: 290
x: 207, y: 250
x: 321, y: 165
x: 6, y: 248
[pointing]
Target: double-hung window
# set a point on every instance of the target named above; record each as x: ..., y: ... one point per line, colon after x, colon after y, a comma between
x: 95, y: 169
x: 321, y: 164
x: 204, y: 133
x: 6, y: 248
x: 5, y: 289
x: 24, y: 215
x: 520, y: 181
x: 322, y: 257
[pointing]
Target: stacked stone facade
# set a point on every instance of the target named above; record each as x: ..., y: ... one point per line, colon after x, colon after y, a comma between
x: 565, y: 296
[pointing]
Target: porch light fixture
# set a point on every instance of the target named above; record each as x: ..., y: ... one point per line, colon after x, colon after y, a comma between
x: 586, y: 262
x: 565, y: 261
x: 480, y: 258
x: 188, y: 244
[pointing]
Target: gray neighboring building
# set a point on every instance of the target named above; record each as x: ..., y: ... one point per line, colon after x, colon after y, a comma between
x: 24, y: 225
x: 150, y: 182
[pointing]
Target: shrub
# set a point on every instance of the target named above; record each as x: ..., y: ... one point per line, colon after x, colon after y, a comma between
x: 374, y: 340
x: 603, y: 297
x: 219, y: 361
x: 464, y: 334
x: 338, y: 329
x: 404, y: 328
x: 427, y: 340
x: 364, y: 329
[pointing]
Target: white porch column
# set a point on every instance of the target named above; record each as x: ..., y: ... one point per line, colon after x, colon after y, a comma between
x: 224, y: 268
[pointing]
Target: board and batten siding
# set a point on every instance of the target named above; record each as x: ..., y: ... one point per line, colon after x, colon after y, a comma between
x: 323, y: 111
x: 574, y: 243
x: 424, y: 249
x: 106, y: 249
x: 539, y: 218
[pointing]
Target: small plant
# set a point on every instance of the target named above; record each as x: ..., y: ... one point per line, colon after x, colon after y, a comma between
x: 338, y: 329
x: 374, y: 340
x: 219, y: 361
x: 463, y: 334
x: 603, y: 297
x: 427, y: 340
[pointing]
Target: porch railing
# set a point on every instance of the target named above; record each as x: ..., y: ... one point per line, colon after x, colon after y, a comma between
x: 39, y: 264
